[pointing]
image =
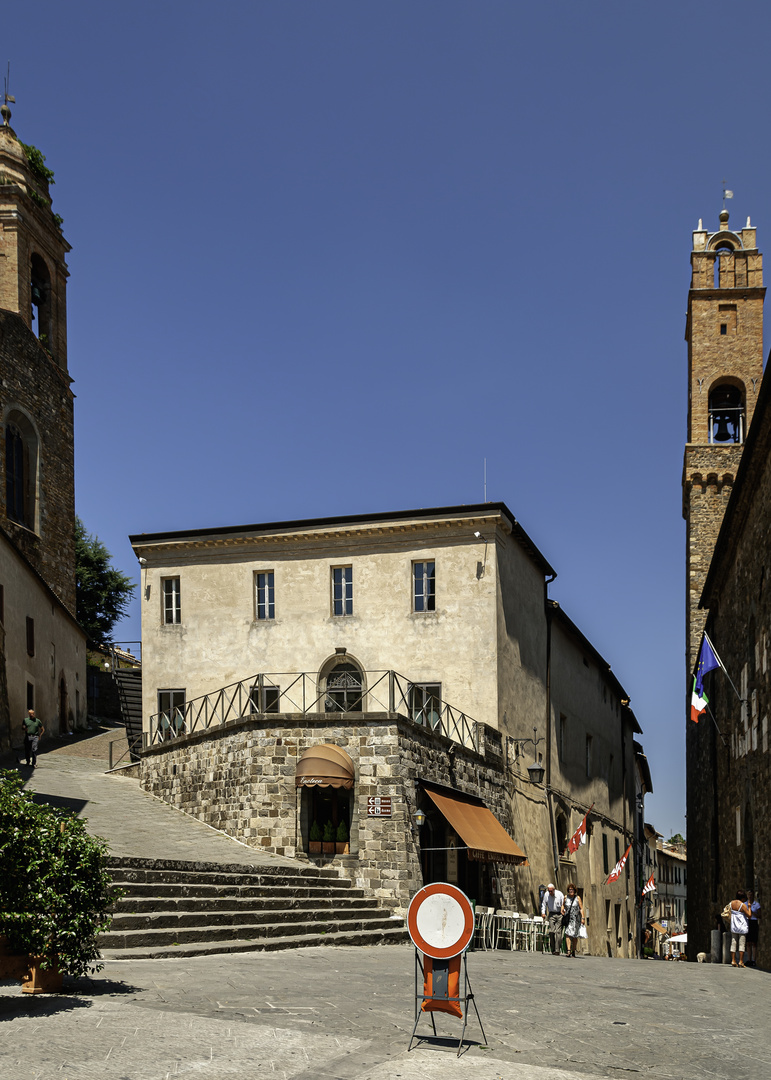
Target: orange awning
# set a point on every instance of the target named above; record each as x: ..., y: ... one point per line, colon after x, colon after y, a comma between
x: 324, y: 765
x: 484, y: 836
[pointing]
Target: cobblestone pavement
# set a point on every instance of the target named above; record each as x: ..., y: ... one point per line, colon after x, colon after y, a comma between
x: 71, y: 773
x: 346, y: 1014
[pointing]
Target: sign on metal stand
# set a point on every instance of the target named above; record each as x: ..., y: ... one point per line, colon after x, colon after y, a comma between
x: 440, y: 920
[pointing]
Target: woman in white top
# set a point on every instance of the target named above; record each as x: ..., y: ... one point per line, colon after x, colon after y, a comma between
x: 740, y: 923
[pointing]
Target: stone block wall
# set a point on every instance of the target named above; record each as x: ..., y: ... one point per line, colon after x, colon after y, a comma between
x: 32, y: 382
x: 240, y: 778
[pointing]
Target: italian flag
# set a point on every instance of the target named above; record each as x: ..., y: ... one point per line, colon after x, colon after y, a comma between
x: 699, y: 702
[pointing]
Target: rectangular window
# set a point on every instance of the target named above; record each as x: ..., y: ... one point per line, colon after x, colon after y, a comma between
x: 588, y: 755
x: 605, y: 864
x: 30, y: 696
x: 342, y: 590
x: 426, y: 704
x: 266, y: 699
x: 424, y: 586
x: 171, y: 709
x: 562, y: 737
x: 172, y: 607
x: 30, y: 636
x: 264, y: 595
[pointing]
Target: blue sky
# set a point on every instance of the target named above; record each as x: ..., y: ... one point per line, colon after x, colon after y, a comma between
x: 328, y: 257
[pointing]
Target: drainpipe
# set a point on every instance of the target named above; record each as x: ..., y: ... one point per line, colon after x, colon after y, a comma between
x: 552, y: 828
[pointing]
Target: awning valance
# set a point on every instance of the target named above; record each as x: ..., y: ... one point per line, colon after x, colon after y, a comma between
x: 484, y: 836
x: 324, y: 765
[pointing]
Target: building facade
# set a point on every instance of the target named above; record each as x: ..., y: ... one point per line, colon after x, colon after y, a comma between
x: 424, y: 645
x: 43, y: 647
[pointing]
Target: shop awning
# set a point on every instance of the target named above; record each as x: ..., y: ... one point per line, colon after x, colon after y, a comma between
x: 484, y: 836
x: 324, y: 765
x: 658, y: 926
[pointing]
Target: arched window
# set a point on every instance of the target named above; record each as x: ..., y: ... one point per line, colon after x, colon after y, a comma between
x: 726, y: 414
x: 341, y: 686
x: 20, y: 469
x: 40, y: 295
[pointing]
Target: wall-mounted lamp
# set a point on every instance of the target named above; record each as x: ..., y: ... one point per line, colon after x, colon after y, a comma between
x: 481, y: 566
x: 536, y: 771
x: 419, y: 818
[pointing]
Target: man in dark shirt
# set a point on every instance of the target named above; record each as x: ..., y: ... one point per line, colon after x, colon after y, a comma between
x: 33, y: 730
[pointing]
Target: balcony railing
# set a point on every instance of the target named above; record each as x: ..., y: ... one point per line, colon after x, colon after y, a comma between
x: 304, y: 693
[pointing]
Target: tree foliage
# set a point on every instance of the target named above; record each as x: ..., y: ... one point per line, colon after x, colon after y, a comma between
x: 103, y: 593
x: 55, y: 888
x: 678, y: 838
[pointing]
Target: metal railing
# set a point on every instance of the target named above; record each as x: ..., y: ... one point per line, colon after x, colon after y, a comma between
x: 305, y: 693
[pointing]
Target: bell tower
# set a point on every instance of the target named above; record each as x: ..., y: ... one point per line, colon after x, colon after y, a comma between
x: 724, y: 332
x: 33, y: 271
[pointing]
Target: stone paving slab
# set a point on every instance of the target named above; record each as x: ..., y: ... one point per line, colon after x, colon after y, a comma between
x: 347, y: 1013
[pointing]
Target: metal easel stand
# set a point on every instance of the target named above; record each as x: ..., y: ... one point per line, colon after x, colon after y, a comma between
x: 440, y: 986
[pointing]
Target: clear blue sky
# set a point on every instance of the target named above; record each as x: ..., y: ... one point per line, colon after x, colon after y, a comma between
x: 328, y: 257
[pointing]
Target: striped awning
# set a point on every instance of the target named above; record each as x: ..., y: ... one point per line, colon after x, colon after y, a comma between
x: 325, y: 765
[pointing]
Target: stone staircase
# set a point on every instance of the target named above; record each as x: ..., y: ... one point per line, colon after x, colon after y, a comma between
x: 188, y: 909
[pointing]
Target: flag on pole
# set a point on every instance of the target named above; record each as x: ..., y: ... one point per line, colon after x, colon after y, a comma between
x: 615, y: 873
x: 708, y: 660
x: 650, y: 887
x: 579, y: 836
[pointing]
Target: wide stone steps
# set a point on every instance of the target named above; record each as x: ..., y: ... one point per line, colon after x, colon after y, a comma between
x: 178, y: 908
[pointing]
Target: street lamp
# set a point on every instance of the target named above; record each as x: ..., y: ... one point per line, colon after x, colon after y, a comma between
x: 536, y: 771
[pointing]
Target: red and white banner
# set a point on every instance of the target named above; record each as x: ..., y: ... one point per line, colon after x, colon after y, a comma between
x: 615, y: 873
x: 650, y: 887
x: 579, y: 836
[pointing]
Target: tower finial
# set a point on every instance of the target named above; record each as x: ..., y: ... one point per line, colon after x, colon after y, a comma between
x: 5, y: 112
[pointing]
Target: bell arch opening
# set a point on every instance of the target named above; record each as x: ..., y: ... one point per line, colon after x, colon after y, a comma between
x: 726, y: 414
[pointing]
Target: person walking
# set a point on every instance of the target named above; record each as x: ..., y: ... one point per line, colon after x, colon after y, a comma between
x: 33, y: 732
x: 754, y: 925
x: 551, y: 909
x: 572, y: 918
x: 740, y: 919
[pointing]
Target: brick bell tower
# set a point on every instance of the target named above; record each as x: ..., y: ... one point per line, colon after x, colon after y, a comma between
x: 724, y: 331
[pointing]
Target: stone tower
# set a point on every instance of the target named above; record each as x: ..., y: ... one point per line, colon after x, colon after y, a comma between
x: 724, y: 331
x: 37, y: 497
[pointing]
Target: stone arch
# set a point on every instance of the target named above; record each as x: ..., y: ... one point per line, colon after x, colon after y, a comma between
x: 22, y: 466
x: 727, y: 411
x: 342, y: 684
x: 40, y: 296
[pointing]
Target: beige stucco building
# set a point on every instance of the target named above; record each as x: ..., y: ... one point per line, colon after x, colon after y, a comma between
x: 425, y: 645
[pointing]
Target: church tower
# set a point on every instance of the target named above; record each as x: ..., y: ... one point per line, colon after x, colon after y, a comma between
x: 724, y: 332
x: 42, y: 648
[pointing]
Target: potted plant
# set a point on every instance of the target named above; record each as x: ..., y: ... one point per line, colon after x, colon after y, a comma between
x: 328, y: 842
x: 341, y: 840
x: 314, y: 839
x: 55, y: 889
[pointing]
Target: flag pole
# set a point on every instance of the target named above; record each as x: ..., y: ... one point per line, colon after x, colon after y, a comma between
x: 714, y: 721
x: 723, y: 669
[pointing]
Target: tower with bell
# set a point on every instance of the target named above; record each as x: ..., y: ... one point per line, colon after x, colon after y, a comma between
x: 42, y: 663
x: 724, y: 332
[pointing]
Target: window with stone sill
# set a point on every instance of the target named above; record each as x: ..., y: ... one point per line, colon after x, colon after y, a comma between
x: 172, y: 601
x: 342, y: 590
x: 264, y: 595
x: 423, y: 586
x: 171, y: 712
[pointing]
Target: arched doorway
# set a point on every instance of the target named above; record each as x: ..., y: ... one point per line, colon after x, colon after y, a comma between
x: 342, y: 685
x: 62, y: 706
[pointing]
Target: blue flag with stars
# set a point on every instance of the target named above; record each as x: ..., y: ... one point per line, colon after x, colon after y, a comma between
x: 707, y: 661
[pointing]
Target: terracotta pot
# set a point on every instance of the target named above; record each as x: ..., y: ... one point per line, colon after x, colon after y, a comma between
x: 342, y: 848
x: 314, y: 847
x: 42, y: 980
x: 328, y: 847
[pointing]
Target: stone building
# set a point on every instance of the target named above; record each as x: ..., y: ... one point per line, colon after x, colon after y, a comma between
x: 43, y: 647
x: 736, y: 789
x: 423, y: 645
x: 724, y: 332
